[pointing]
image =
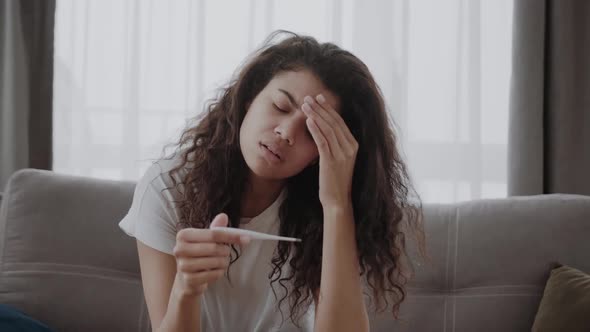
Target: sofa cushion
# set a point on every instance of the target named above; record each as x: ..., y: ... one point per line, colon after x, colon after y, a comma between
x: 566, y: 302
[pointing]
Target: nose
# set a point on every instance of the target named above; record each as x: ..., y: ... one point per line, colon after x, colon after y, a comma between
x: 290, y: 128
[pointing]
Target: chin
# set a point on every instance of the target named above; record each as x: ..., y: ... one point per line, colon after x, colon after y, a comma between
x: 262, y: 170
x: 265, y: 172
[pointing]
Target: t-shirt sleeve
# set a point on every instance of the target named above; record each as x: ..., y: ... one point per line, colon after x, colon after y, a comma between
x: 151, y: 218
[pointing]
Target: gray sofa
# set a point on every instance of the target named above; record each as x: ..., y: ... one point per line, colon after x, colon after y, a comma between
x: 64, y: 261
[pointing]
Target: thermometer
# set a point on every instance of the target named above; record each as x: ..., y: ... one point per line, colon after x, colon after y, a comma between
x: 254, y: 235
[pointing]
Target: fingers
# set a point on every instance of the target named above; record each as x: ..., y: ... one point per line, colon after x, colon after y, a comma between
x: 317, y: 135
x: 336, y: 118
x: 203, y: 255
x: 325, y: 135
x: 204, y: 264
x: 325, y: 112
x: 330, y: 128
x: 201, y: 250
x: 219, y: 220
x: 203, y: 278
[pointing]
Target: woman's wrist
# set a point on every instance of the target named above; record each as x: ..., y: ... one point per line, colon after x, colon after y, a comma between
x: 182, y: 294
x: 183, y: 312
x: 338, y: 210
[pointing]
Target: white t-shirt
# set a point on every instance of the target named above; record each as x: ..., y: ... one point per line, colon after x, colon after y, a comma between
x: 248, y: 305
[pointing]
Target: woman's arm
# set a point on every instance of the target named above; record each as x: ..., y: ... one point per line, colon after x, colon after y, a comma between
x: 183, y: 313
x: 340, y: 306
x: 168, y: 308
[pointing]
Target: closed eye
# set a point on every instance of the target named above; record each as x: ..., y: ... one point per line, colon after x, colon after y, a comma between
x: 279, y: 109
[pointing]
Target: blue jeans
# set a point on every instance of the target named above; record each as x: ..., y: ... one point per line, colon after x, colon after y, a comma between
x: 13, y: 320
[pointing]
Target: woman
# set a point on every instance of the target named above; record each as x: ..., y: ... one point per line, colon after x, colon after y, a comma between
x: 298, y: 144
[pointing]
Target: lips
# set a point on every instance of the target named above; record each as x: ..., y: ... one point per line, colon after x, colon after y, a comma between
x: 273, y: 149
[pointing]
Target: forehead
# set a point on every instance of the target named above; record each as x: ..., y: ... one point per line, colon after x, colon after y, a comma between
x: 300, y: 84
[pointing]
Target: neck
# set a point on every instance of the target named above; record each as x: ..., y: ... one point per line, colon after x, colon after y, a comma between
x: 259, y: 195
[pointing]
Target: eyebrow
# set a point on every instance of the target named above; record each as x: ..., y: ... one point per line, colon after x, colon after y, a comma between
x: 291, y: 99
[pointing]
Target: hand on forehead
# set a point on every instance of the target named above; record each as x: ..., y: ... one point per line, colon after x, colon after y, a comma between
x: 296, y: 85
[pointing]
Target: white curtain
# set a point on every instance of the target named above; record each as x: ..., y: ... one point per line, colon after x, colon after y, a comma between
x: 129, y: 73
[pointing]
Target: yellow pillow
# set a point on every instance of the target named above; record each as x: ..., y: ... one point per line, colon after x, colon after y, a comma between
x: 565, y: 305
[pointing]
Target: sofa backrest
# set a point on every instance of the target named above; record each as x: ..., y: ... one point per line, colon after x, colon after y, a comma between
x: 65, y: 262
x: 490, y: 261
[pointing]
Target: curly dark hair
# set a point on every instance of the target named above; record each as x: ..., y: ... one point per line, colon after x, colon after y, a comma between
x: 381, y: 187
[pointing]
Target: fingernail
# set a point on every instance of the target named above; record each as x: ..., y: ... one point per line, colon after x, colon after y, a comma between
x: 321, y: 98
x: 308, y: 99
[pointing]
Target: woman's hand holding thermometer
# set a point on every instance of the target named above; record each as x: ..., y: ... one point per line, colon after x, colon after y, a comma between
x: 202, y: 255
